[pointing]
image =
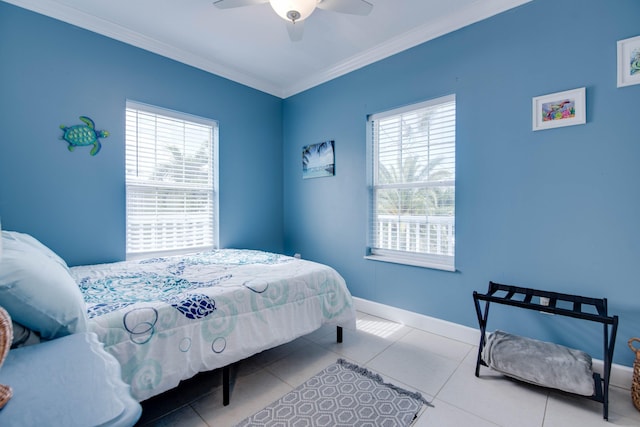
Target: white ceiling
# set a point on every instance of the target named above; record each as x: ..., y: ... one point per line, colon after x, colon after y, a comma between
x: 250, y: 45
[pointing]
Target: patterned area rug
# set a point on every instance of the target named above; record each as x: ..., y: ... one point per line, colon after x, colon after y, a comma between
x: 343, y: 394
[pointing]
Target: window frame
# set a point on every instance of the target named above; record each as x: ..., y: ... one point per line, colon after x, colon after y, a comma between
x: 405, y: 257
x: 132, y: 183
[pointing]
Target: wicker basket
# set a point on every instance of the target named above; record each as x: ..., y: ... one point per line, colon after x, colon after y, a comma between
x: 635, y: 384
x: 6, y: 337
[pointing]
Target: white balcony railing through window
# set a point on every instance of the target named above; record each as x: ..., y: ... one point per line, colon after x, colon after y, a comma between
x: 420, y: 234
x: 150, y: 233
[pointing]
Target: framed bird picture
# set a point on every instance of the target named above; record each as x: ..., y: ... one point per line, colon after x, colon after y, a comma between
x: 559, y: 109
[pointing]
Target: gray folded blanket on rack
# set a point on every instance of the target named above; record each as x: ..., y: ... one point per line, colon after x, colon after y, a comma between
x: 541, y: 363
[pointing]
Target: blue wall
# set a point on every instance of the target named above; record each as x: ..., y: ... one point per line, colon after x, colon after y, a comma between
x: 52, y: 72
x: 555, y: 209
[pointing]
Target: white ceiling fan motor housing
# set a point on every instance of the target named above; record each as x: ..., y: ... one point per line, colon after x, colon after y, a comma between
x: 294, y: 10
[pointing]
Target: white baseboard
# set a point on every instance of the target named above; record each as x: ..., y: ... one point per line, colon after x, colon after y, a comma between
x: 621, y: 376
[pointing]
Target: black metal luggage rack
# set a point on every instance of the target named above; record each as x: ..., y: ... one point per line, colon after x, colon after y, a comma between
x: 593, y: 309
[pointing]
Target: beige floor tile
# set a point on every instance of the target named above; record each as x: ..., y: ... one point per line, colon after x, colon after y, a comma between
x: 442, y: 370
x: 301, y: 365
x: 357, y: 345
x: 412, y: 365
x: 443, y: 414
x: 183, y: 417
x: 437, y: 344
x: 188, y: 391
x: 267, y: 357
x: 565, y: 410
x: 494, y: 397
x: 249, y: 394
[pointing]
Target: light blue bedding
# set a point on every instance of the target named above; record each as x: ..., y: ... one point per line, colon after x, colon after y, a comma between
x: 166, y: 319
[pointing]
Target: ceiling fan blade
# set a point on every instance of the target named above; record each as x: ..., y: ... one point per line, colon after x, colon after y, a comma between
x: 295, y: 30
x: 352, y: 7
x: 228, y: 4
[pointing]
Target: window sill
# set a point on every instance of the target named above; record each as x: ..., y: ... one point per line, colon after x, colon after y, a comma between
x: 413, y: 263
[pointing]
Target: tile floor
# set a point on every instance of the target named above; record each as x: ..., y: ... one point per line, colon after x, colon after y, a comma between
x: 440, y: 368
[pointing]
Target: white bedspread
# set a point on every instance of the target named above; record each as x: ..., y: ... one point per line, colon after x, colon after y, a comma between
x: 166, y: 319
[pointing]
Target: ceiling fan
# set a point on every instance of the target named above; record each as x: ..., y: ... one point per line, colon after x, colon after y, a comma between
x: 296, y: 11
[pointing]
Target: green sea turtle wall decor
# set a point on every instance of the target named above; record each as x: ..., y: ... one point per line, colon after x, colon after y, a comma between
x: 83, y: 135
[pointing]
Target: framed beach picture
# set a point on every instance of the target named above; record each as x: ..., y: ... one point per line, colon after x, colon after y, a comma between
x: 629, y: 61
x: 558, y: 109
x: 318, y: 160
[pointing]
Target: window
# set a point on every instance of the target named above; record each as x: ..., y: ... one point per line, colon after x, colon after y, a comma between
x: 412, y: 175
x: 171, y: 180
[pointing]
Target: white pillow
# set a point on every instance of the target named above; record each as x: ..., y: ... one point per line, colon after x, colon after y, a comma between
x: 37, y: 290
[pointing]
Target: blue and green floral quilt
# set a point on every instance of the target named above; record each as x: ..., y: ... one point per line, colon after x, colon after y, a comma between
x: 166, y: 319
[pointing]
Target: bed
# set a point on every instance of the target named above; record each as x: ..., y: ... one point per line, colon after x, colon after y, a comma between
x: 166, y: 319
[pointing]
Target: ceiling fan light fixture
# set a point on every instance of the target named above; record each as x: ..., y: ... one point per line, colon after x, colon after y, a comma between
x: 294, y: 10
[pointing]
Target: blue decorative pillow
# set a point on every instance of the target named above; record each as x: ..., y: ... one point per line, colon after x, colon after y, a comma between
x: 29, y: 242
x: 37, y: 290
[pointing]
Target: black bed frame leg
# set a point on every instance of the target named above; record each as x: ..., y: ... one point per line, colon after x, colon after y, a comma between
x: 225, y: 385
x: 225, y: 372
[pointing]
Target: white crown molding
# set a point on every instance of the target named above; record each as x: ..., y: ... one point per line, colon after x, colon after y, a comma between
x: 109, y: 29
x: 478, y: 11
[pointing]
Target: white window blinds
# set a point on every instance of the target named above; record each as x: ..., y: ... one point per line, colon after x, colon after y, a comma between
x: 413, y: 184
x: 171, y: 174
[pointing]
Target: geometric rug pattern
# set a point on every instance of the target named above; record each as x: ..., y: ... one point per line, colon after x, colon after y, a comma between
x: 342, y: 395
